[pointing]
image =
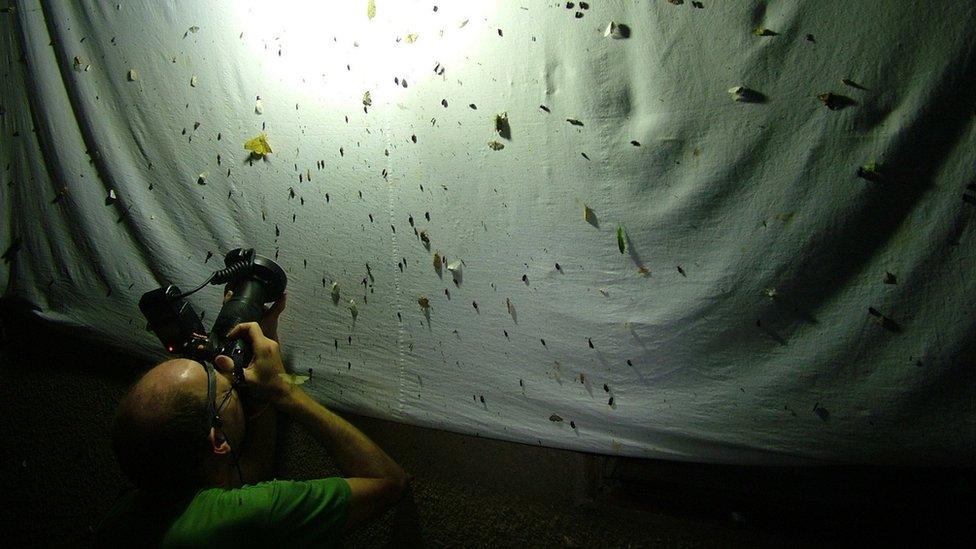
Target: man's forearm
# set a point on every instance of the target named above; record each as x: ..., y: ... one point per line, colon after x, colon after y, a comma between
x: 354, y: 453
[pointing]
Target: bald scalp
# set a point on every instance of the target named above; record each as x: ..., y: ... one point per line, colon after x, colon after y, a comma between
x: 160, y: 430
x: 158, y: 392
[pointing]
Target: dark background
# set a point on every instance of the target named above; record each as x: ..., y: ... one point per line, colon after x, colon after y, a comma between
x: 58, y: 477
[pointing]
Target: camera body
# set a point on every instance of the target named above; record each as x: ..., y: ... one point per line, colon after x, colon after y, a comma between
x: 253, y: 280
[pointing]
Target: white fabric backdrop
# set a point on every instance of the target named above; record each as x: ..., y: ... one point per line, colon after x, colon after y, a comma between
x: 749, y: 339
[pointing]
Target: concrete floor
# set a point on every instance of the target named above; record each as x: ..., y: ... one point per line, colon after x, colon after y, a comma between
x: 59, y: 476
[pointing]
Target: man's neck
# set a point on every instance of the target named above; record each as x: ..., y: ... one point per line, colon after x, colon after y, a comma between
x: 224, y: 476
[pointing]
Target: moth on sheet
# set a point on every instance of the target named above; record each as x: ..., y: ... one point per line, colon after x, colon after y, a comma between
x: 259, y: 146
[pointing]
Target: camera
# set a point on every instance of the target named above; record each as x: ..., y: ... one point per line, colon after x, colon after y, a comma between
x: 254, y: 281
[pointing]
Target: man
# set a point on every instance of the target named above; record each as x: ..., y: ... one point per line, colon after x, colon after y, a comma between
x: 202, y: 468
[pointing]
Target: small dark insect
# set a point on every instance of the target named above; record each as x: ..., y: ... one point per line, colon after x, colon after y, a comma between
x: 682, y: 271
x: 821, y: 412
x: 444, y: 102
x: 629, y: 363
x: 482, y: 399
x: 698, y: 5
x: 326, y: 197
x: 499, y: 32
x: 584, y: 155
x: 584, y: 6
x: 834, y: 101
x: 582, y: 378
x: 410, y: 220
x: 525, y: 278
x: 506, y: 333
x: 570, y: 5
x: 590, y: 341
x: 635, y: 143
x: 555, y: 418
x: 543, y: 342
x: 475, y: 305
x: 473, y: 106
x: 447, y: 293
x: 851, y: 83
x: 572, y: 424
x: 413, y: 138
x: 337, y: 344
x: 370, y: 218
x: 427, y: 215
x: 277, y: 230
x: 394, y: 229
x: 810, y: 38
x: 545, y: 108
x: 521, y: 383
x: 558, y: 268
x: 606, y: 388
x: 350, y: 340
x: 574, y: 121
x: 610, y: 402
x: 399, y: 317
x: 218, y: 136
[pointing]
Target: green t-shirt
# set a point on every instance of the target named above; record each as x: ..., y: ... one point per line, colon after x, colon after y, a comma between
x: 277, y: 512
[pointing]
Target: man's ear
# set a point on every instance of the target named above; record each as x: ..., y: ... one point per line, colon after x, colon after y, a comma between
x: 218, y: 443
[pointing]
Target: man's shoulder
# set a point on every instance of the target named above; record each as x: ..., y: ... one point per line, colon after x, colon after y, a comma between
x: 254, y: 511
x: 267, y: 498
x: 304, y: 509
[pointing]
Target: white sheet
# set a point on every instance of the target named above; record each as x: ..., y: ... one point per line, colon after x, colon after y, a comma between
x: 749, y: 339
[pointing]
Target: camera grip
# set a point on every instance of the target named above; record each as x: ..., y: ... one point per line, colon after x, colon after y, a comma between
x: 245, y: 305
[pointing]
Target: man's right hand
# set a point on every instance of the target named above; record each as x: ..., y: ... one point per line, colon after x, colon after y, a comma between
x: 263, y: 374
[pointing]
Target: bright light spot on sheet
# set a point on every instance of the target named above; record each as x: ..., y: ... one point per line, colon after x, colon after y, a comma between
x: 307, y: 46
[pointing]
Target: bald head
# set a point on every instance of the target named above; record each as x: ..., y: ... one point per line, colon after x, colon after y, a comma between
x: 162, y: 429
x: 161, y: 389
